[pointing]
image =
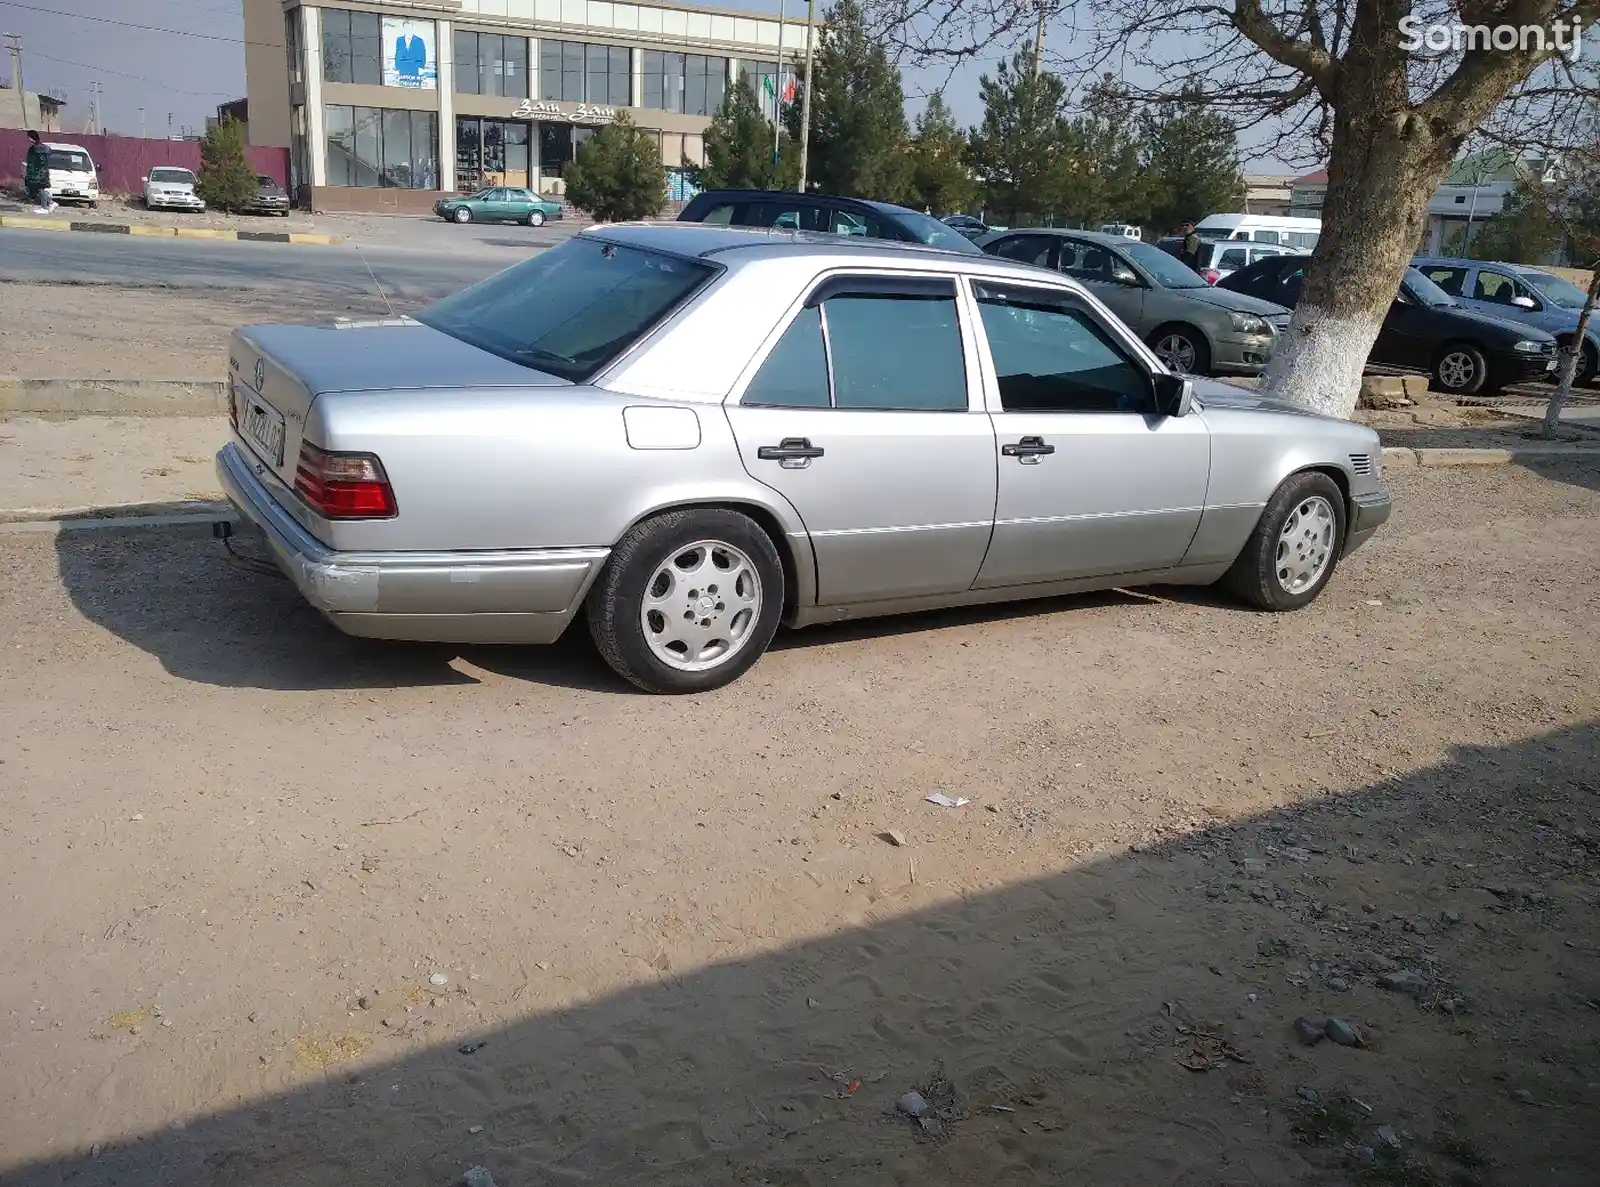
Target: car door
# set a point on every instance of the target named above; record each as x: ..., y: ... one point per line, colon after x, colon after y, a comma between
x: 1109, y: 277
x: 490, y: 205
x: 1500, y: 294
x: 862, y: 415
x: 519, y: 204
x: 1409, y: 335
x: 1091, y: 480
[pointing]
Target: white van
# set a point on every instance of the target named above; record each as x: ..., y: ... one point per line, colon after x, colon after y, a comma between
x: 72, y: 174
x: 1301, y: 233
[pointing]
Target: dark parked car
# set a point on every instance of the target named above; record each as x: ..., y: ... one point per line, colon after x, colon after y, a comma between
x: 269, y: 199
x: 819, y: 212
x: 973, y: 228
x: 1426, y: 329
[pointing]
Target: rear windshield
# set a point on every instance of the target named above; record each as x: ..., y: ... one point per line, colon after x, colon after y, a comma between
x: 172, y: 176
x: 934, y: 233
x: 69, y: 162
x: 571, y: 310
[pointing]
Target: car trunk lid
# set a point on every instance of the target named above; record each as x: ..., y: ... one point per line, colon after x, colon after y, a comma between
x: 275, y: 374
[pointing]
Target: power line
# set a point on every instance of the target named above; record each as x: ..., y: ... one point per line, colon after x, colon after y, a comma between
x: 105, y: 20
x: 121, y: 74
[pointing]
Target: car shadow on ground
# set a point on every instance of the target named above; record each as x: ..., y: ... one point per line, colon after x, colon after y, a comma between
x: 1128, y: 1019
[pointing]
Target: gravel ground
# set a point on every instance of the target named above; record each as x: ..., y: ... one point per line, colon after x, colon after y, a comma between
x: 285, y: 907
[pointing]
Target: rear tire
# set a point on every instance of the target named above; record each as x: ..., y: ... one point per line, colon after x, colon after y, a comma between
x: 1290, y: 557
x: 1588, y: 365
x: 688, y: 601
x: 536, y: 218
x: 1460, y: 369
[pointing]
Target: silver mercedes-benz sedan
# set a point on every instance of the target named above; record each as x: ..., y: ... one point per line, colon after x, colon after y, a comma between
x: 692, y: 433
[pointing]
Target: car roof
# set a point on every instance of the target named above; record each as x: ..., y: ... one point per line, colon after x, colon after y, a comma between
x: 1458, y: 262
x: 1063, y: 232
x: 793, y: 196
x: 747, y: 244
x: 61, y: 144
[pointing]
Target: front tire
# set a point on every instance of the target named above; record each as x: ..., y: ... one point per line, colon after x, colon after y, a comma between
x: 463, y: 215
x: 1183, y: 349
x: 1296, y: 545
x: 688, y: 601
x: 1460, y: 370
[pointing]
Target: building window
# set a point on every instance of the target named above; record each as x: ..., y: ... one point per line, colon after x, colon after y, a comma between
x: 378, y: 147
x: 291, y: 46
x: 558, y: 143
x: 763, y: 79
x: 492, y: 153
x: 352, y: 47
x: 573, y: 72
x: 690, y: 83
x: 490, y: 64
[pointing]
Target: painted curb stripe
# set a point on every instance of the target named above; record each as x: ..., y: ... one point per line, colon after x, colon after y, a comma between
x: 155, y: 232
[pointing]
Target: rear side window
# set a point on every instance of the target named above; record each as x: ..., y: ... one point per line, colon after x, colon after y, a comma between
x: 1050, y: 356
x: 1027, y: 249
x: 1265, y: 236
x: 720, y: 215
x: 885, y: 345
x: 790, y: 216
x: 1232, y: 258
x: 571, y: 310
x: 1451, y: 280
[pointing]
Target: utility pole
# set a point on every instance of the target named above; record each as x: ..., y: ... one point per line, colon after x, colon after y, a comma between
x: 805, y: 99
x: 94, y: 125
x: 777, y: 91
x: 169, y: 125
x: 141, y: 123
x: 1038, y: 38
x: 14, y: 44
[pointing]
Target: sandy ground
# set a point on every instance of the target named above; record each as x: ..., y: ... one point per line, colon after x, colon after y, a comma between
x: 287, y: 908
x: 50, y: 467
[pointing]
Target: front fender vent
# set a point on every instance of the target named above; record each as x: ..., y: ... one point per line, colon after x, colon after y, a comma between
x: 1361, y: 463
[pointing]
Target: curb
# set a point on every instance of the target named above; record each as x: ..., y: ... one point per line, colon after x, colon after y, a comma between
x: 1400, y: 457
x: 23, y: 223
x: 112, y: 397
x: 54, y: 523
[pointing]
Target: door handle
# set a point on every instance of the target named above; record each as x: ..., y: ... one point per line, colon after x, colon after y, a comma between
x: 1028, y: 451
x: 792, y: 453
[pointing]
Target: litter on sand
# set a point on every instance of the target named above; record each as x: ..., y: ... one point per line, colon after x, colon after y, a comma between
x: 945, y: 801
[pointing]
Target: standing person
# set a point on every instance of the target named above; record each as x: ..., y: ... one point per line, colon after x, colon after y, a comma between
x: 1189, y: 253
x: 36, y: 175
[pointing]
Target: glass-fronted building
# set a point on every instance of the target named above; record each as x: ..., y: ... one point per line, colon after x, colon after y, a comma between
x: 384, y: 106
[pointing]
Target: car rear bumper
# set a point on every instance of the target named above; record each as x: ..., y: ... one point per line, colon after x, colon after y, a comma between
x: 1368, y: 513
x: 519, y: 596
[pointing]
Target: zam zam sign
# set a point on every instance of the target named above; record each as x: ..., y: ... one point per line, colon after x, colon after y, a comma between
x: 578, y: 113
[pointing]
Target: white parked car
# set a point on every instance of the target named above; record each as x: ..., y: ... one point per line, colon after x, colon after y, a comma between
x: 171, y: 188
x: 72, y: 174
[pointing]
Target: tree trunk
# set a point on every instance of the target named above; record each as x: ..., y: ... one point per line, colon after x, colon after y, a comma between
x: 1384, y: 167
x: 1570, y: 358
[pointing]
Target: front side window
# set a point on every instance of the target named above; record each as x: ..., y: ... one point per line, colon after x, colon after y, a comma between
x: 1496, y: 287
x: 1026, y: 249
x: 1087, y: 261
x: 571, y: 310
x: 882, y: 345
x: 1050, y: 356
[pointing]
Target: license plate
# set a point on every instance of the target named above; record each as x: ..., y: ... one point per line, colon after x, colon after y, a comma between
x: 262, y: 426
x: 1550, y: 366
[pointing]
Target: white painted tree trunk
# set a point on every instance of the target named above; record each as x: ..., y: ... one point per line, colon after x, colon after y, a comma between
x: 1570, y: 359
x: 1319, y: 362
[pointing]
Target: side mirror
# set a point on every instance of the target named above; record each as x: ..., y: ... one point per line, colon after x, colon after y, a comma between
x: 145, y: 180
x: 1174, y: 395
x: 1525, y: 302
x: 1125, y: 276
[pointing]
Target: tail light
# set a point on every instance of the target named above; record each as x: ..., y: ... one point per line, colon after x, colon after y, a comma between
x: 1211, y: 275
x: 343, y: 485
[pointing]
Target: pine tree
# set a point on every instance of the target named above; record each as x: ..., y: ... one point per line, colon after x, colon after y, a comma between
x: 618, y: 174
x: 1192, y: 156
x: 1019, y: 149
x: 738, y: 146
x: 1103, y: 178
x: 858, y: 120
x: 226, y: 181
x: 941, y: 179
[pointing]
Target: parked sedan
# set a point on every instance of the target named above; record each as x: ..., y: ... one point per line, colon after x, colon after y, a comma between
x: 170, y: 188
x: 1425, y: 329
x: 1517, y: 292
x: 973, y: 228
x: 1195, y: 328
x: 269, y: 199
x: 856, y: 217
x: 499, y: 204
x: 692, y: 434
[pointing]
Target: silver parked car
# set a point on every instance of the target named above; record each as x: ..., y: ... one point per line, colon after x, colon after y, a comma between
x: 691, y: 433
x: 1194, y: 328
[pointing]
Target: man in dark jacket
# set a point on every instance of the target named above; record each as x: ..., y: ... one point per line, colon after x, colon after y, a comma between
x: 36, y: 174
x: 1189, y: 252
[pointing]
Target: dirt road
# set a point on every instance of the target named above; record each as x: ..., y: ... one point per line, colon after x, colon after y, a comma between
x: 268, y: 889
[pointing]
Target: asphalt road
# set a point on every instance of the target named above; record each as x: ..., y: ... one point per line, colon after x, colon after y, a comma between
x: 411, y: 276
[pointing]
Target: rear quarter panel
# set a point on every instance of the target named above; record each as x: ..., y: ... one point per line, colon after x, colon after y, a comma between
x: 512, y: 469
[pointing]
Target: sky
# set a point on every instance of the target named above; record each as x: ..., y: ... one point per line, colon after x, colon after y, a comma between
x: 186, y: 73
